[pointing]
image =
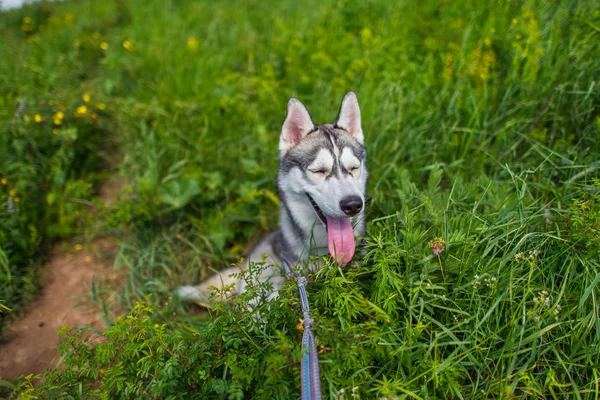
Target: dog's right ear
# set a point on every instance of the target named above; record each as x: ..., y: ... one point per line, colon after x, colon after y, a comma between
x: 296, y: 126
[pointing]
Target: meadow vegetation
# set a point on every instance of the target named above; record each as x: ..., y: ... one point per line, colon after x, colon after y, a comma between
x: 481, y: 123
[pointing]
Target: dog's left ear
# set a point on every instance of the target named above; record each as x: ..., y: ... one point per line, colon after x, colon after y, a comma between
x: 349, y: 117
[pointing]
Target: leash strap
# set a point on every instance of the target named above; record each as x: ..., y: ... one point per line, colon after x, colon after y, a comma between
x: 310, y: 375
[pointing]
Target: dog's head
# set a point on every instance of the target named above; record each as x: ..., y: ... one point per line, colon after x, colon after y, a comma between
x: 326, y: 165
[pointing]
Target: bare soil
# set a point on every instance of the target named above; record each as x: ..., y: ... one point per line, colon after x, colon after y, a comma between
x: 30, y: 346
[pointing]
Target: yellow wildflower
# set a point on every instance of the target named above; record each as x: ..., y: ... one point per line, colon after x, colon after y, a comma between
x: 514, y: 21
x: 100, y: 106
x: 54, y: 131
x: 81, y: 110
x: 12, y: 192
x: 27, y: 25
x: 487, y: 41
x: 3, y: 181
x: 86, y: 97
x: 366, y: 36
x: 57, y: 121
x: 104, y: 45
x: 128, y: 45
x: 17, y: 199
x: 78, y: 247
x: 37, y: 118
x: 59, y: 115
x: 192, y: 43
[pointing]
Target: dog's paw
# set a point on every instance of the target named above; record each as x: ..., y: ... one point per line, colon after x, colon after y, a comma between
x: 188, y: 293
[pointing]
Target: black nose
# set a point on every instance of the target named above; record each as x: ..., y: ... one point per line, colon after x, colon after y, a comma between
x: 351, y: 205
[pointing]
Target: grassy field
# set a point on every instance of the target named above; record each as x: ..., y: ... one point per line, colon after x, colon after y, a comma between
x: 481, y: 123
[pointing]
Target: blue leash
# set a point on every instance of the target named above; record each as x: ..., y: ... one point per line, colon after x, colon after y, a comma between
x: 310, y: 375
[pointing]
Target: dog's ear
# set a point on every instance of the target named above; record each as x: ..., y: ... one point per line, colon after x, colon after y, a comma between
x: 296, y: 126
x: 349, y: 117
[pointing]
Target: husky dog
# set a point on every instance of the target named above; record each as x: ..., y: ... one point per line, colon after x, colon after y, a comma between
x: 321, y: 182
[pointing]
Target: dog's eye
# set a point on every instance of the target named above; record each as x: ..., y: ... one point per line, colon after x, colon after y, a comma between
x: 354, y: 168
x: 320, y: 171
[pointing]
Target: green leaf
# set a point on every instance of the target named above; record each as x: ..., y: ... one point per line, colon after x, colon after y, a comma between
x: 179, y: 192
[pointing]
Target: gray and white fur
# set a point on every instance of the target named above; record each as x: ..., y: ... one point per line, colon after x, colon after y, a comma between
x: 321, y: 183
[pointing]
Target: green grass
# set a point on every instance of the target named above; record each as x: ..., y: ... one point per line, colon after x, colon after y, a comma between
x: 481, y: 123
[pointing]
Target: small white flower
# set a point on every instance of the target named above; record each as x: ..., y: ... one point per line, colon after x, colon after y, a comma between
x: 558, y: 309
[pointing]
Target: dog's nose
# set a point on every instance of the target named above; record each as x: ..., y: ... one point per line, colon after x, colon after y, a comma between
x: 351, y: 205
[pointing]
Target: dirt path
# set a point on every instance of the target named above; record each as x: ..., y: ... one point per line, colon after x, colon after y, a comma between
x: 63, y: 300
x: 31, y: 344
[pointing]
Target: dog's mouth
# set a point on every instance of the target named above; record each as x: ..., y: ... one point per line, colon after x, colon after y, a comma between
x: 340, y: 236
x: 317, y: 209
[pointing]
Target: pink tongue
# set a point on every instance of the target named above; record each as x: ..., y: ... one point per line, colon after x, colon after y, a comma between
x: 340, y: 238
